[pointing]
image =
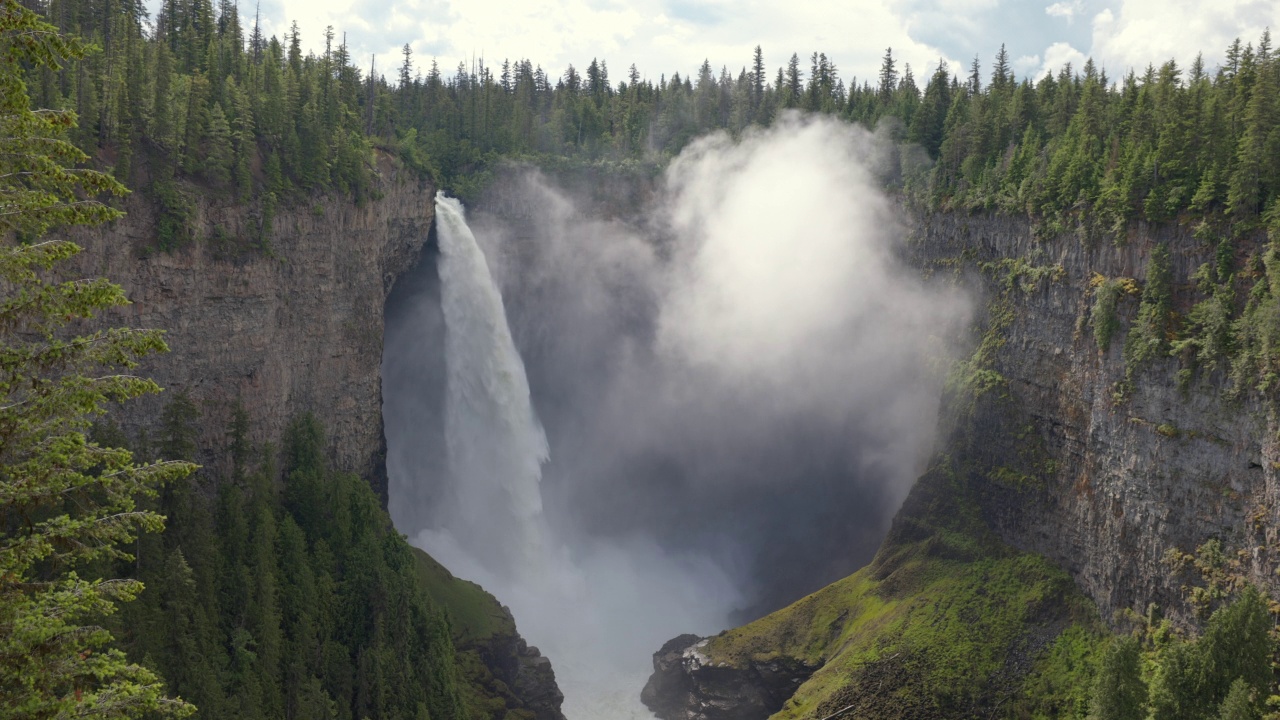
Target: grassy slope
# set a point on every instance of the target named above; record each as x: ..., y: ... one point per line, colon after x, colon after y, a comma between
x: 946, y: 622
x: 475, y: 614
x: 481, y: 630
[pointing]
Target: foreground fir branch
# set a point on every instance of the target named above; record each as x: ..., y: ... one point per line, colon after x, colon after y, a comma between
x: 68, y: 506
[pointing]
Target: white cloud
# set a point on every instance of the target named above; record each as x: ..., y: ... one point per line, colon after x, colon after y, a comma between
x: 659, y: 37
x: 1057, y: 55
x: 1067, y: 10
x: 1028, y: 65
x: 1140, y: 32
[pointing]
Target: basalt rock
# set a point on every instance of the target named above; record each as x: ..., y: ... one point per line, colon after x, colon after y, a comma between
x: 1102, y: 469
x: 1125, y: 471
x: 291, y: 327
x: 687, y: 685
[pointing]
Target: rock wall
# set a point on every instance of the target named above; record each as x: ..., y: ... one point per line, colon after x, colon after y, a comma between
x: 295, y: 329
x: 1051, y: 459
x: 1121, y: 481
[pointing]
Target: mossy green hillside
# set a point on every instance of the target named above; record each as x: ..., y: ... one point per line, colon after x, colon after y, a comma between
x: 484, y: 635
x: 476, y: 616
x: 946, y: 622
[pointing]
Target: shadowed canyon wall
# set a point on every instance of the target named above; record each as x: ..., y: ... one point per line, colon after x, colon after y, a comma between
x: 1106, y: 483
x: 293, y: 329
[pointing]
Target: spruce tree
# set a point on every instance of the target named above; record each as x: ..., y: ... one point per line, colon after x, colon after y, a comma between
x: 1118, y: 691
x: 888, y: 77
x: 67, y: 504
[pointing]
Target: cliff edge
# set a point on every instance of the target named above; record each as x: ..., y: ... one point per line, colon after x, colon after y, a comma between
x: 293, y: 327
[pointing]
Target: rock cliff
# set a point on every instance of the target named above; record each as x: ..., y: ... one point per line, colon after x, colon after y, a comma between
x: 1121, y: 478
x: 1063, y: 462
x: 296, y: 328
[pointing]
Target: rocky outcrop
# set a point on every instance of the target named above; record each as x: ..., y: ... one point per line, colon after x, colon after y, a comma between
x: 534, y: 682
x: 294, y: 328
x: 687, y: 685
x: 507, y: 677
x: 516, y: 673
x: 1121, y: 479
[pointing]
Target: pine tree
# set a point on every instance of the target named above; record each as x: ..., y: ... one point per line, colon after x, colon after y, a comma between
x: 888, y: 77
x: 757, y: 82
x: 1118, y: 692
x: 1000, y: 75
x: 220, y: 153
x: 1254, y: 178
x: 177, y: 432
x: 794, y: 85
x: 1240, y: 703
x: 929, y: 121
x: 65, y: 502
x: 1148, y: 337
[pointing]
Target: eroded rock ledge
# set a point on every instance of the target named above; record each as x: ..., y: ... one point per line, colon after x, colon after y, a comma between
x: 687, y: 685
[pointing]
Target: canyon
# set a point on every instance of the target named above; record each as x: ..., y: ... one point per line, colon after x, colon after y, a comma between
x: 1054, y: 459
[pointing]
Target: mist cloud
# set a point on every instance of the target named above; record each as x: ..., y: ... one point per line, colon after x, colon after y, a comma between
x: 738, y: 385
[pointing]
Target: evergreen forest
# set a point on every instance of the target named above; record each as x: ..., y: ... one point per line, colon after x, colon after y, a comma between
x: 279, y: 588
x: 197, y: 92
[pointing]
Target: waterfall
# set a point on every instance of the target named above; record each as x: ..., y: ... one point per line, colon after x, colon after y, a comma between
x: 491, y: 530
x: 496, y: 445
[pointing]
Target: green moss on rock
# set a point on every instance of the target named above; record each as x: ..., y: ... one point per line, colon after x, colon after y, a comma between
x: 946, y: 622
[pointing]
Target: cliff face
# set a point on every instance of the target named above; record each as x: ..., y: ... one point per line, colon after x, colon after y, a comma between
x: 292, y: 330
x: 1119, y: 481
x: 1062, y: 462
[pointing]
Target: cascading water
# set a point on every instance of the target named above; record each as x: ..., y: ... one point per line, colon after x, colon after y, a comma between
x: 496, y: 445
x: 492, y: 529
x: 737, y: 397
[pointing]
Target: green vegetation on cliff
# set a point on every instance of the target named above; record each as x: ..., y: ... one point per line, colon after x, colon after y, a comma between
x: 281, y: 589
x: 296, y: 598
x: 949, y: 622
x: 284, y: 600
x: 199, y: 94
x: 945, y: 622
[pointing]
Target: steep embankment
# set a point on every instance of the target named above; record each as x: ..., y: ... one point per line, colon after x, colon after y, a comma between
x: 1063, y: 462
x: 504, y: 678
x: 293, y: 328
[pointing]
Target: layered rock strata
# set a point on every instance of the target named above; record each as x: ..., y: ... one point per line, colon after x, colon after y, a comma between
x: 294, y: 327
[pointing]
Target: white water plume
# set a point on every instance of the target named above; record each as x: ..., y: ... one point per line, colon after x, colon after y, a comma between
x: 496, y: 445
x: 738, y: 392
x: 582, y: 609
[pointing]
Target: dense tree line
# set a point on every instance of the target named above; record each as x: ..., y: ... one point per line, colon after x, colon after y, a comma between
x: 295, y: 598
x: 281, y: 600
x: 197, y: 91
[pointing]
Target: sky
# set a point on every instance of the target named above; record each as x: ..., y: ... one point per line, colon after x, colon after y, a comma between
x: 665, y: 36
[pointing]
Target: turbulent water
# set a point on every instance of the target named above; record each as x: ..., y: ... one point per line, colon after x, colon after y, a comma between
x: 737, y: 392
x: 496, y: 446
x: 494, y: 530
